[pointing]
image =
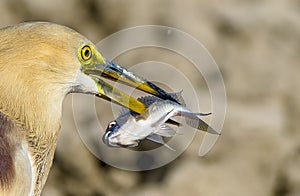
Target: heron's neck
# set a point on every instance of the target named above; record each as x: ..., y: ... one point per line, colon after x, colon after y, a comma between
x: 39, y: 114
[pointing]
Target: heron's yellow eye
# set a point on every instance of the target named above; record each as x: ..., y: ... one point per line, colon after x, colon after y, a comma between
x: 86, y: 53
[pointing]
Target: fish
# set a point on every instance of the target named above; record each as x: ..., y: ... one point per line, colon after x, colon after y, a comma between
x: 130, y: 128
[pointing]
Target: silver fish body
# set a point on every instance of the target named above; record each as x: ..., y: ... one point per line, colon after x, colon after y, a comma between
x: 128, y: 129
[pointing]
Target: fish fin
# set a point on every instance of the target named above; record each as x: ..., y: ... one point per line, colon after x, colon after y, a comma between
x: 148, y: 100
x: 165, y: 131
x: 158, y: 139
x: 155, y: 138
x: 178, y: 97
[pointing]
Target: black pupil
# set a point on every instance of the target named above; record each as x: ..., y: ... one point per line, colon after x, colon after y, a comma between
x: 112, y: 125
x: 87, y: 53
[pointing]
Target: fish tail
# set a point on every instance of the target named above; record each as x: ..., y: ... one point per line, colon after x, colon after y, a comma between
x: 194, y: 121
x: 158, y: 139
x: 201, y: 125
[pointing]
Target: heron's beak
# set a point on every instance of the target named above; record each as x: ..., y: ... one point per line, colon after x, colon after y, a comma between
x: 114, y: 72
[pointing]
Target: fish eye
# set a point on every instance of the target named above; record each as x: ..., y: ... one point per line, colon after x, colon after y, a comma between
x: 111, y: 124
x: 86, y: 52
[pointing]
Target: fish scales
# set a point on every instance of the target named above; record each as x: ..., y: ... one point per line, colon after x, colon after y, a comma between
x: 129, y: 128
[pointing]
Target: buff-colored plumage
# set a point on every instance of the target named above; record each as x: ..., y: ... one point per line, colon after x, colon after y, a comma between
x: 40, y: 63
x: 38, y: 67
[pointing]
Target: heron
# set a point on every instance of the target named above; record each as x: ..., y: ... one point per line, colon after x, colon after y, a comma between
x: 40, y: 63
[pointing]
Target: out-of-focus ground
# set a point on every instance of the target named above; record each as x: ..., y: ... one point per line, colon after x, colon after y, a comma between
x: 257, y: 47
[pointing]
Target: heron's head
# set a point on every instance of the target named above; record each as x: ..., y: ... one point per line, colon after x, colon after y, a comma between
x: 49, y: 60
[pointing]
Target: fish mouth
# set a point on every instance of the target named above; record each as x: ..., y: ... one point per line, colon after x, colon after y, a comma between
x: 114, y: 72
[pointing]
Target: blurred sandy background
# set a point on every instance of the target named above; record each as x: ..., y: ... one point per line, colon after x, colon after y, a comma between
x: 257, y: 47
